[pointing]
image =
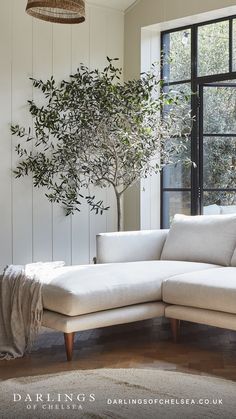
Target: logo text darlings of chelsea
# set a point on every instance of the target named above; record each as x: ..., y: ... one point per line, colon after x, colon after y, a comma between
x: 54, y: 401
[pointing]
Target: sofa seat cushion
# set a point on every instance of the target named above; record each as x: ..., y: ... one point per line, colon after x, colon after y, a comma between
x: 80, y: 290
x: 214, y: 289
x: 204, y: 238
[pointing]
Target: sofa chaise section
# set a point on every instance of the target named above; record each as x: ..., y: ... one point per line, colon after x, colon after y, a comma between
x: 80, y: 290
x: 108, y: 294
x: 60, y: 300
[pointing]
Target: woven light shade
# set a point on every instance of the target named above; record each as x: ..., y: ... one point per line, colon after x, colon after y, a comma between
x: 59, y: 11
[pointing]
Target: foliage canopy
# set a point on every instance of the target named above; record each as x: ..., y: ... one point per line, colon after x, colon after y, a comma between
x: 95, y: 129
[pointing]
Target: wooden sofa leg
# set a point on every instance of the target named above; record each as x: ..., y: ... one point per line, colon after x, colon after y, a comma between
x: 175, y: 327
x: 69, y: 343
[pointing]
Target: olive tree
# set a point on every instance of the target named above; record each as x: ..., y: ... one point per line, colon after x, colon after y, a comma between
x: 93, y: 129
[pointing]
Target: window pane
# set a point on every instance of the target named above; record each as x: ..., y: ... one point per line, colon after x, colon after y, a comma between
x: 213, y: 48
x: 219, y: 162
x: 178, y: 174
x: 234, y: 45
x: 218, y: 202
x: 219, y: 111
x: 177, y: 50
x: 180, y: 90
x: 175, y: 203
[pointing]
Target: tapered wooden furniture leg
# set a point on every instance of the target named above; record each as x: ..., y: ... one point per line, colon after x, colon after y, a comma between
x: 69, y: 343
x: 175, y: 327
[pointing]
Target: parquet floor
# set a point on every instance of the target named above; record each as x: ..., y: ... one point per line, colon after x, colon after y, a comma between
x: 202, y: 350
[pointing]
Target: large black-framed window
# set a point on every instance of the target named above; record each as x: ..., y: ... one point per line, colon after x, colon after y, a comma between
x: 203, y: 60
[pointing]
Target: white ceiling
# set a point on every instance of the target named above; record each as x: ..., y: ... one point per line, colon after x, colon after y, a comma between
x: 116, y: 4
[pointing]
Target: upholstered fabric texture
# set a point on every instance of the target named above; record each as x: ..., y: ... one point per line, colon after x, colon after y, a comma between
x: 209, y: 239
x: 214, y: 289
x: 105, y: 318
x: 130, y: 246
x: 79, y: 290
x: 202, y: 316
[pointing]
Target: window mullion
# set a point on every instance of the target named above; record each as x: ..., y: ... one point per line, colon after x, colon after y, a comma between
x: 230, y: 45
x: 194, y: 109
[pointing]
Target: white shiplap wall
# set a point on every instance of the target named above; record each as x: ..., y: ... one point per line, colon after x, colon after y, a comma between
x: 31, y: 229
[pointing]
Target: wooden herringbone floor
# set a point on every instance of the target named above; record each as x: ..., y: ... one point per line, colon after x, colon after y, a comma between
x: 202, y: 350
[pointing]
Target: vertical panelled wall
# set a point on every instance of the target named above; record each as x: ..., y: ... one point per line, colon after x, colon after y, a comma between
x: 150, y: 187
x: 31, y: 229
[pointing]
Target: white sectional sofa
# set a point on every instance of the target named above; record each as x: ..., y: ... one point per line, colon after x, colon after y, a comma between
x: 187, y: 273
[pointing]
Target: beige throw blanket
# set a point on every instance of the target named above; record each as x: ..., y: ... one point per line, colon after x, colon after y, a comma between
x: 21, y: 307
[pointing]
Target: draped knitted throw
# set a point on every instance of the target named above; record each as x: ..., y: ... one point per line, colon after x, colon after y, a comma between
x: 21, y: 306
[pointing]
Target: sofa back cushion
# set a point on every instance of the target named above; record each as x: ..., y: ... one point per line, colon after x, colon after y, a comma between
x: 130, y: 246
x: 203, y: 238
x: 228, y: 209
x: 233, y: 260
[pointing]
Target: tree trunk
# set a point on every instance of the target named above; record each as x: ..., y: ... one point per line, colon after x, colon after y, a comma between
x: 119, y: 212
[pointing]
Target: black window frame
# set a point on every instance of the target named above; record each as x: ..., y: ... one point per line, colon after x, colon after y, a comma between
x: 197, y: 83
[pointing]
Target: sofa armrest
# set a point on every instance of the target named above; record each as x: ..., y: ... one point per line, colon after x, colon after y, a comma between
x: 130, y: 246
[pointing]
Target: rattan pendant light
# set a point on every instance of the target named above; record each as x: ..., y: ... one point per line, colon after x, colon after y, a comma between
x: 59, y: 11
